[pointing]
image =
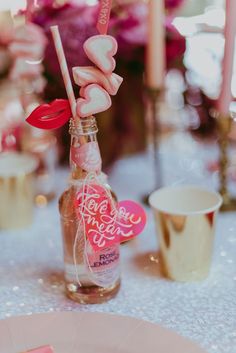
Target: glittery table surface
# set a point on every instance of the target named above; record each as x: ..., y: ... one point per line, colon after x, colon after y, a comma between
x: 31, y: 266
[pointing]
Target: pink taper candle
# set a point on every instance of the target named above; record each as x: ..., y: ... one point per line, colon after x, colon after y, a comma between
x: 155, y: 55
x: 227, y: 68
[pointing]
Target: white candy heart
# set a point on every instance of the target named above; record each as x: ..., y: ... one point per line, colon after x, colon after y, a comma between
x: 85, y: 75
x: 100, y: 50
x: 95, y: 100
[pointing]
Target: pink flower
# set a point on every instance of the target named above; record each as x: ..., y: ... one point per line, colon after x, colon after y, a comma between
x: 173, y: 4
x: 175, y: 46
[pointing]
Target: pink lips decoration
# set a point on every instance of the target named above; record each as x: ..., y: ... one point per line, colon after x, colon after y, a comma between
x: 50, y: 116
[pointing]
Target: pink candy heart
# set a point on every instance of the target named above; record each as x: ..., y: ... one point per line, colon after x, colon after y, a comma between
x: 95, y: 100
x: 86, y: 75
x: 100, y: 49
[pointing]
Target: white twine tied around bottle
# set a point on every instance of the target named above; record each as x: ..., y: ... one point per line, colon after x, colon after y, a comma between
x: 93, y: 179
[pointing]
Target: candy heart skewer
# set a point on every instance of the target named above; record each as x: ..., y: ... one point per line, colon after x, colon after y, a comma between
x: 98, y: 82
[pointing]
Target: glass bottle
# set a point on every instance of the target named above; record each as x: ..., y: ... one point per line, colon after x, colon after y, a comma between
x: 80, y: 283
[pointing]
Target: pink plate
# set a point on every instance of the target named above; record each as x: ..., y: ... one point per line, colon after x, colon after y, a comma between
x: 87, y: 332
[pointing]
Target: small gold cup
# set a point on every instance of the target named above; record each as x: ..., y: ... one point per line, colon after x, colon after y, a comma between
x: 185, y: 219
x: 16, y: 190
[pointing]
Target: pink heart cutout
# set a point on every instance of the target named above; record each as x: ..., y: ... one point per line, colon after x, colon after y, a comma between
x: 100, y: 49
x: 105, y: 224
x: 95, y: 100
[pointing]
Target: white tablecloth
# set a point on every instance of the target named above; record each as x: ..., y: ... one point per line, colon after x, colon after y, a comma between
x: 31, y: 266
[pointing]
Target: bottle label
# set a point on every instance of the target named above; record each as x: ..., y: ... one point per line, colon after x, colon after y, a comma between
x: 100, y: 268
x: 103, y: 267
x: 87, y: 156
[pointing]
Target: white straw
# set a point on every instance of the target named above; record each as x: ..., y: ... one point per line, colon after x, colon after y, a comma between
x: 64, y: 68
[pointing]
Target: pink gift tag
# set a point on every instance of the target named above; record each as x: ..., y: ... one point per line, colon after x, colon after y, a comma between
x: 132, y: 219
x: 104, y: 16
x: 87, y: 156
x: 106, y: 223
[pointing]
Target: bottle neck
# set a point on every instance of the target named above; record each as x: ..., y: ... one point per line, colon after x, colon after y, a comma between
x: 84, y: 151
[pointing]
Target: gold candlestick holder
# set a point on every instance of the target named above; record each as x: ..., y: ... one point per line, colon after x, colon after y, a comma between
x: 154, y: 95
x: 224, y: 124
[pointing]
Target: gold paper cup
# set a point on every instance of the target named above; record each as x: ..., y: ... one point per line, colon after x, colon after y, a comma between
x: 16, y: 190
x: 185, y: 219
